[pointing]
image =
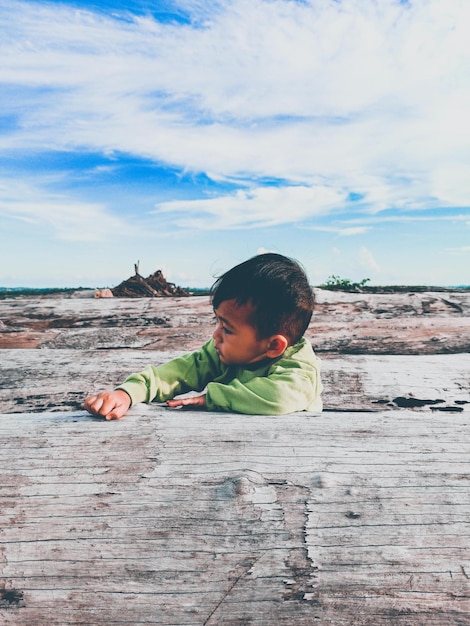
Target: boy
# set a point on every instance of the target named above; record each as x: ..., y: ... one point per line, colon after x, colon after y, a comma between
x: 257, y: 361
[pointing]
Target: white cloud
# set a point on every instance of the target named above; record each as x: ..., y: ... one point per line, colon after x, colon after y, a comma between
x: 377, y: 89
x: 452, y: 180
x: 463, y: 250
x: 62, y: 215
x: 350, y: 232
x: 263, y: 206
x: 346, y: 96
x: 367, y: 260
x: 341, y: 231
x: 410, y: 217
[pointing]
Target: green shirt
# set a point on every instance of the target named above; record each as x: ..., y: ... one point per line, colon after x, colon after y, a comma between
x: 270, y: 387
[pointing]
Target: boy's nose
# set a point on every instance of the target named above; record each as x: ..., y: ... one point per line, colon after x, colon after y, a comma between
x: 216, y: 335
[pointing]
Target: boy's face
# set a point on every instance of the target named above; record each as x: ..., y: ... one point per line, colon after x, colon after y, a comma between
x: 235, y: 339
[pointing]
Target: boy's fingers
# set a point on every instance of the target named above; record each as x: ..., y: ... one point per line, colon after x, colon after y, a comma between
x: 116, y: 413
x: 118, y: 410
x: 178, y: 402
x: 111, y: 405
x: 89, y: 401
x: 196, y: 401
x: 93, y: 404
x: 107, y: 406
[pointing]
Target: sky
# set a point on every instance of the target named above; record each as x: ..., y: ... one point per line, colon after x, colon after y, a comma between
x: 190, y: 135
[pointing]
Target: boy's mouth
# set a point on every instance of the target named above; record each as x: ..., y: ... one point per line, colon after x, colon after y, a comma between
x: 221, y: 357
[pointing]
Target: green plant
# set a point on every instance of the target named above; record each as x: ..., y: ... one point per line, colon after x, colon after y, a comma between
x: 343, y: 284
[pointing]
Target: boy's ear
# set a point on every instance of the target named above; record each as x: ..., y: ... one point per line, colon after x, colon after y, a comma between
x: 277, y: 346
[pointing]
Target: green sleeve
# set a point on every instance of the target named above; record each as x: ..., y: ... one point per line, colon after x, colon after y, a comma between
x: 290, y: 385
x: 190, y: 372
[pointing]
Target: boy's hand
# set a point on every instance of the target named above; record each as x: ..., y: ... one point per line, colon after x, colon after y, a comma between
x: 198, y: 402
x: 111, y: 404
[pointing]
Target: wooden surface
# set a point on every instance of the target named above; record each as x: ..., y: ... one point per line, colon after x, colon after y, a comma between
x: 177, y: 517
x: 345, y: 323
x: 57, y: 380
x: 359, y: 516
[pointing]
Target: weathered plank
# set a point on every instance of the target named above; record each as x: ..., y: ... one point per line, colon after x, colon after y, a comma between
x: 176, y: 517
x: 167, y: 323
x: 47, y: 380
x: 397, y: 323
x: 182, y: 517
x: 346, y: 323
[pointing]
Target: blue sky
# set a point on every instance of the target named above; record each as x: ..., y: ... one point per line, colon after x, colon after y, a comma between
x: 193, y: 134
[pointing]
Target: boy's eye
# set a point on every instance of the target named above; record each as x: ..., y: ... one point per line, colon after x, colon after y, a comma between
x: 223, y: 328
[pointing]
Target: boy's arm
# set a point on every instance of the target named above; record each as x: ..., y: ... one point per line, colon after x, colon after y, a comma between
x: 290, y: 385
x: 190, y: 372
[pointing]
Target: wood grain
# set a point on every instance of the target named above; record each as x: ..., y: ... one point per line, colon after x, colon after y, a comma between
x: 57, y: 380
x: 343, y: 323
x: 359, y: 516
x: 182, y: 517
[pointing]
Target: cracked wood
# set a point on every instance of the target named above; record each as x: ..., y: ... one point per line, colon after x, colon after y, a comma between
x: 180, y: 517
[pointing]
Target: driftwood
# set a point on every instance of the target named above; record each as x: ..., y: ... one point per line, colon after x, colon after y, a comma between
x: 153, y: 286
x: 58, y: 380
x: 175, y: 517
x: 90, y: 344
x: 358, y: 516
x: 343, y: 323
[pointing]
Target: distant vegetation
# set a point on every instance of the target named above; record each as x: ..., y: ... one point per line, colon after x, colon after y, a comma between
x: 333, y: 283
x: 15, y: 292
x: 336, y: 283
x: 198, y: 291
x: 344, y: 284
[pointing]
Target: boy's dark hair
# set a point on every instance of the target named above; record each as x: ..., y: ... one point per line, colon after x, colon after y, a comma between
x: 277, y: 287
